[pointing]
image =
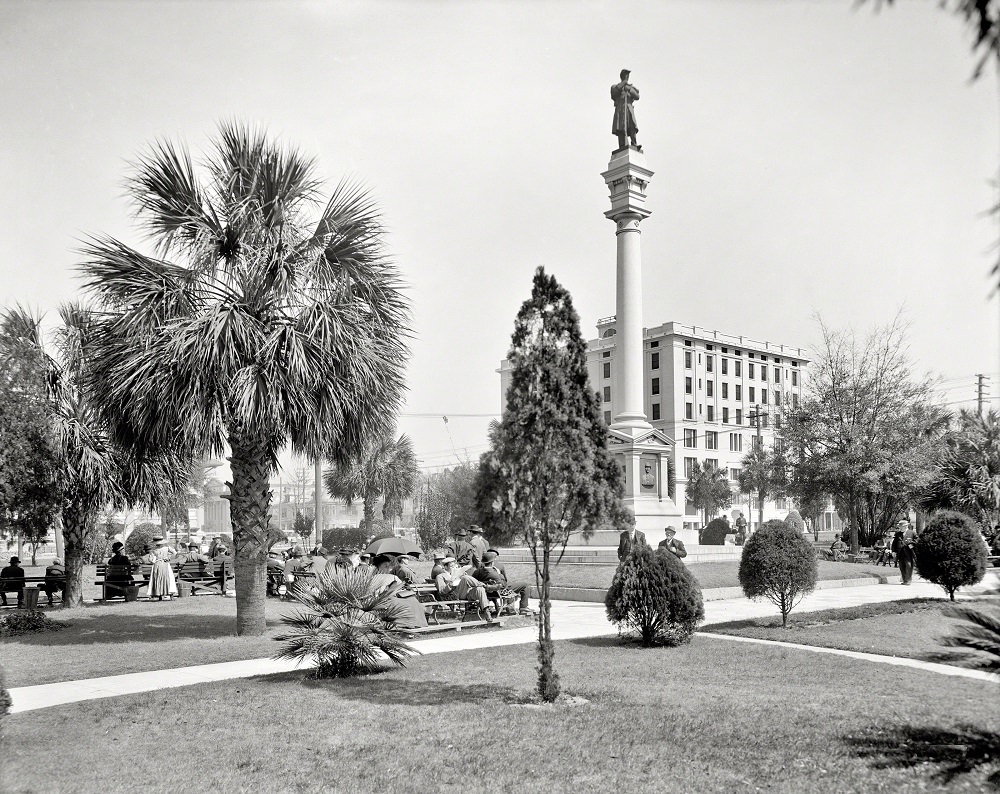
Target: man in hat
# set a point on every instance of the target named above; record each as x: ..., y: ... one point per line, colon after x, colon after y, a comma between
x: 55, y: 580
x: 672, y: 544
x: 478, y: 543
x: 460, y: 548
x: 12, y: 581
x: 438, y: 568
x: 628, y: 540
x: 344, y: 561
x: 623, y: 94
x: 402, y: 570
x: 365, y: 562
x: 194, y: 554
x: 494, y: 581
x: 452, y: 583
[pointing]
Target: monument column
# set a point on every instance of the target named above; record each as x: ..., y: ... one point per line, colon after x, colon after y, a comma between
x: 626, y: 178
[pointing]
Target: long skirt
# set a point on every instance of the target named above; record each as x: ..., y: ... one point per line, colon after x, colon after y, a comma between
x: 161, y: 580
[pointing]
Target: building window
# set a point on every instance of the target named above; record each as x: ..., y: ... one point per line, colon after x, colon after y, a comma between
x: 711, y: 440
x: 735, y: 442
x: 687, y: 359
x: 607, y: 369
x: 711, y: 463
x: 725, y: 415
x: 739, y: 416
x: 708, y: 363
x: 691, y: 438
x: 795, y: 400
x: 777, y: 374
x: 607, y: 394
x: 710, y: 347
x: 656, y: 410
x: 777, y: 397
x: 656, y: 385
x: 763, y: 372
x: 752, y: 393
x: 687, y: 385
x: 711, y: 413
x: 689, y: 466
x: 739, y: 392
x: 688, y: 411
x: 607, y: 417
x: 654, y: 344
x: 606, y: 354
x: 687, y: 343
x: 763, y: 358
x: 795, y: 378
x: 710, y: 388
x: 781, y: 503
x: 750, y: 371
x: 763, y: 396
x: 725, y: 391
x: 739, y: 366
x: 734, y: 475
x: 654, y: 361
x: 725, y: 366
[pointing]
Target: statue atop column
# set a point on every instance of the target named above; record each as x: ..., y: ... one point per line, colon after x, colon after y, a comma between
x: 623, y: 94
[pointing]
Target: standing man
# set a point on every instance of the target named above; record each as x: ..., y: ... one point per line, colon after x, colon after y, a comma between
x: 459, y: 548
x: 628, y: 540
x: 672, y: 544
x: 478, y: 543
x: 623, y: 94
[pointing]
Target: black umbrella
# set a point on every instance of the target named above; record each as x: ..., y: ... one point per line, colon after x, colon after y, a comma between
x: 393, y: 546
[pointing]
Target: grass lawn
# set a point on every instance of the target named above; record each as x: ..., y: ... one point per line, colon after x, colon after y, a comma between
x: 711, y: 716
x: 709, y: 574
x: 897, y: 628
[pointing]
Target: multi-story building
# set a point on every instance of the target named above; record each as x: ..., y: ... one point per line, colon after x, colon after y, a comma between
x: 707, y: 391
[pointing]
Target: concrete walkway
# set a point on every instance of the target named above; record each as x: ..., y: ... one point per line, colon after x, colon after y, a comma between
x: 570, y: 620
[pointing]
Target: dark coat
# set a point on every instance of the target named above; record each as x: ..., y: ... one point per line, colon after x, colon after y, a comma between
x: 674, y: 546
x: 624, y: 94
x: 626, y: 543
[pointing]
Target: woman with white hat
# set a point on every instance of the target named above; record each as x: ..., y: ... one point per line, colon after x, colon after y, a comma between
x: 161, y: 577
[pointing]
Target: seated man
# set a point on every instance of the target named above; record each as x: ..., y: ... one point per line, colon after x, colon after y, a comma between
x: 317, y: 562
x: 365, y: 562
x: 838, y: 549
x: 438, y: 568
x: 275, y: 574
x: 454, y: 584
x: 194, y: 554
x: 402, y: 570
x: 296, y: 562
x: 55, y: 580
x: 494, y: 582
x: 12, y: 581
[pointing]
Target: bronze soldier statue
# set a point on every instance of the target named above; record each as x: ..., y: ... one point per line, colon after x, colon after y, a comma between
x: 623, y: 94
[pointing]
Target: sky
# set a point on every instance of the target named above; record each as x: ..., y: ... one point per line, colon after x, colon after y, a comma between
x: 811, y: 159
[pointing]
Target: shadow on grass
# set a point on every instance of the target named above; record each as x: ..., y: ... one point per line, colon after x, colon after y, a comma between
x: 379, y: 689
x: 953, y: 752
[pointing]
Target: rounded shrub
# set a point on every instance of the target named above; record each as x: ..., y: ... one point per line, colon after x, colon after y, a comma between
x: 778, y: 564
x: 950, y: 551
x: 794, y: 520
x: 26, y: 621
x: 655, y: 595
x: 714, y: 533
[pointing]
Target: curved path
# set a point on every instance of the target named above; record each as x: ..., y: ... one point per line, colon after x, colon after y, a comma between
x: 570, y: 620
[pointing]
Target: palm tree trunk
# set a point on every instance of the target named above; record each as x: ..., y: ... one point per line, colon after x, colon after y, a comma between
x: 250, y: 497
x: 548, y: 681
x: 77, y: 523
x: 369, y: 504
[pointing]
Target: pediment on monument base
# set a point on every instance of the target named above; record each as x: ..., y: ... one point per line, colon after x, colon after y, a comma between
x: 645, y: 438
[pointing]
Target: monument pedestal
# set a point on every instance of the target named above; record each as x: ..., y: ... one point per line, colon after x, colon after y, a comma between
x: 643, y: 456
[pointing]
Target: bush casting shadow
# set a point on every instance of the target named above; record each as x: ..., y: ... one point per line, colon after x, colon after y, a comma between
x: 954, y: 752
x: 150, y: 628
x: 380, y: 689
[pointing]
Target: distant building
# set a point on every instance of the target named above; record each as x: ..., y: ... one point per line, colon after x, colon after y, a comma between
x: 703, y: 389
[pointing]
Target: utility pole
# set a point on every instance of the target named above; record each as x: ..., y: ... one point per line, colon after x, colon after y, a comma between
x: 756, y: 416
x: 318, y: 498
x: 980, y: 392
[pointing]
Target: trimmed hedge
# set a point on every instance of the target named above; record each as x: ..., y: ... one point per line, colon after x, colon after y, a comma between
x: 794, y: 520
x: 778, y: 564
x: 654, y: 594
x: 715, y: 531
x: 950, y: 551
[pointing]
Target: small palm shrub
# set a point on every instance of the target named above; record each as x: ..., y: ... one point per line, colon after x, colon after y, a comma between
x: 348, y: 621
x: 714, y: 533
x: 655, y: 595
x: 794, y: 520
x: 950, y: 551
x: 26, y: 621
x: 778, y: 564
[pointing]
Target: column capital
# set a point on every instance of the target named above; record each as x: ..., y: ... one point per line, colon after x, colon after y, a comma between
x: 627, y: 177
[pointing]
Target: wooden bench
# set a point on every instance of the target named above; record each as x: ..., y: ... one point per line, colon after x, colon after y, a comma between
x: 8, y: 586
x: 994, y: 560
x: 451, y: 627
x: 209, y: 576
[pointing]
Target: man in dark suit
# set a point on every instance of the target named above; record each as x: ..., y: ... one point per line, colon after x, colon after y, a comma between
x: 460, y: 548
x: 629, y: 539
x: 494, y: 581
x: 672, y: 544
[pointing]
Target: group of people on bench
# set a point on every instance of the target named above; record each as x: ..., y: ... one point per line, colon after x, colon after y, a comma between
x: 161, y: 558
x: 12, y: 580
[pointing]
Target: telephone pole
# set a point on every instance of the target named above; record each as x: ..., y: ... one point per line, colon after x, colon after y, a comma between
x: 981, y: 388
x: 755, y: 416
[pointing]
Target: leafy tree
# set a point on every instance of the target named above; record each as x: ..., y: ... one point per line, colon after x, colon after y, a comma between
x: 266, y: 320
x: 446, y: 501
x: 778, y: 564
x: 386, y: 468
x: 549, y: 472
x: 348, y: 625
x: 93, y: 470
x: 764, y: 475
x: 141, y: 536
x: 654, y: 594
x: 708, y: 490
x: 967, y: 470
x: 868, y: 432
x: 951, y: 552
x: 303, y: 526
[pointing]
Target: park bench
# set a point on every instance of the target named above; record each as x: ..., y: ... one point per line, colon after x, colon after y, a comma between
x: 201, y: 576
x: 451, y: 627
x: 994, y: 560
x: 9, y: 589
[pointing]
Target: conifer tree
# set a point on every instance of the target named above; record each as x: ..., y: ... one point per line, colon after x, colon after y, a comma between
x: 549, y: 474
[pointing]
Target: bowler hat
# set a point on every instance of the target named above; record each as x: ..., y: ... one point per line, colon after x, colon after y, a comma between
x: 15, y: 560
x: 489, y: 556
x: 624, y: 73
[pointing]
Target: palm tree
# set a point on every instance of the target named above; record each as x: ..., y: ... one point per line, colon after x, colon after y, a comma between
x: 708, y: 490
x: 266, y: 319
x: 92, y: 471
x: 385, y: 468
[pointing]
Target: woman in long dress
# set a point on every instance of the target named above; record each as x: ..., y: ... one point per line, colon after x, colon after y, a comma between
x: 161, y: 577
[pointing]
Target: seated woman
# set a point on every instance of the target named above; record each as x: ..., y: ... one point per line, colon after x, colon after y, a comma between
x: 411, y: 614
